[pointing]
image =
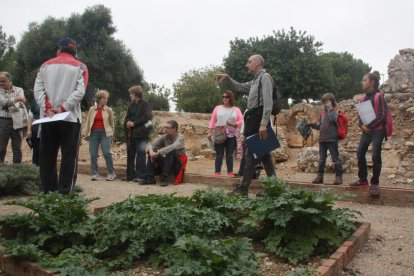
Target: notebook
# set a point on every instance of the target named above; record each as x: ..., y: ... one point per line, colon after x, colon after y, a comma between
x: 261, y: 147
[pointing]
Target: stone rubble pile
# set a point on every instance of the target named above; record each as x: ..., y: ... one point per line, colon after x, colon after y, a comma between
x: 308, y: 161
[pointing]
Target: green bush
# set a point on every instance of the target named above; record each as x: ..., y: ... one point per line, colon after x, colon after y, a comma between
x: 186, y: 235
x: 297, y: 223
x: 119, y: 110
x: 18, y: 179
x: 191, y: 255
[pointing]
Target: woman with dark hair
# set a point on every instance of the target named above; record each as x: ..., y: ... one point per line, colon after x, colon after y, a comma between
x: 374, y: 133
x: 137, y: 126
x: 228, y: 118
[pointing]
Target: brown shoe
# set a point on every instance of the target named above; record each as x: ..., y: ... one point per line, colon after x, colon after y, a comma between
x: 318, y: 179
x: 338, y: 180
x: 239, y: 192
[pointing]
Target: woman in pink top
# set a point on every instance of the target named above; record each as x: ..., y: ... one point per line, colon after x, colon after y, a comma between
x: 231, y: 117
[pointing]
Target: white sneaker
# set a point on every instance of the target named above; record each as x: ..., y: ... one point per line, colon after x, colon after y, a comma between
x: 95, y: 177
x: 110, y: 177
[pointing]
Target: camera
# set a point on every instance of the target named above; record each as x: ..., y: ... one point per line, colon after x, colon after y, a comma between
x: 29, y: 142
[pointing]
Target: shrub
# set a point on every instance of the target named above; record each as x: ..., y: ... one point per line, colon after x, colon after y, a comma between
x: 191, y: 255
x: 297, y: 223
x: 19, y: 179
x: 119, y: 110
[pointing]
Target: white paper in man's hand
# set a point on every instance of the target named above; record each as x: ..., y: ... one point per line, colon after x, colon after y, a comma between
x: 57, y: 117
x: 366, y: 112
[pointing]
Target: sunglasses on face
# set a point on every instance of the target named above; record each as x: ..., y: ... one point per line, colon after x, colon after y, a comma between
x: 225, y: 97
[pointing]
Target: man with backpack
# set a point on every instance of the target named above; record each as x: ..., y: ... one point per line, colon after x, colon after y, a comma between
x: 257, y: 116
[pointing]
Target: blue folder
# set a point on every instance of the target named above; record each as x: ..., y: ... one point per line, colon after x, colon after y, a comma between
x: 261, y: 147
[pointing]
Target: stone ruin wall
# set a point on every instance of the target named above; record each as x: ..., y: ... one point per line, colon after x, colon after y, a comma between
x: 398, y: 150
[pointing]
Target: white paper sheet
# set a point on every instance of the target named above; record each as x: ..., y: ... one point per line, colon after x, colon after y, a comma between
x: 366, y: 112
x: 57, y: 117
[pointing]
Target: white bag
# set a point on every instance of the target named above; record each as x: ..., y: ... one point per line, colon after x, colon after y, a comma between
x: 18, y: 113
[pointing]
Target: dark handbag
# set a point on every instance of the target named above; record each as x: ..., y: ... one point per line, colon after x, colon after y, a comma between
x: 220, y: 135
x: 252, y: 119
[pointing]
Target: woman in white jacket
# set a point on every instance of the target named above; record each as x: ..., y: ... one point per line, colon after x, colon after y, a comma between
x: 99, y: 129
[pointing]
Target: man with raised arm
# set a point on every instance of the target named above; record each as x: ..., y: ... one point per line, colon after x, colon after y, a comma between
x: 257, y: 116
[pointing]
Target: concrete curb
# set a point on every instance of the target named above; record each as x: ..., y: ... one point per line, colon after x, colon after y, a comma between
x: 346, y: 252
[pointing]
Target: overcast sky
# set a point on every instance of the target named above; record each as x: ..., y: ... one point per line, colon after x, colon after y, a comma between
x: 170, y: 37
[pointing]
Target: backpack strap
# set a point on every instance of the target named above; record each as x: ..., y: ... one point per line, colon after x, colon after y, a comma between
x: 259, y: 90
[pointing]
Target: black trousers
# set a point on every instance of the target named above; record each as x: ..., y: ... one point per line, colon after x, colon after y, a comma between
x: 376, y: 138
x: 7, y: 132
x: 323, y: 154
x: 164, y: 165
x: 66, y: 137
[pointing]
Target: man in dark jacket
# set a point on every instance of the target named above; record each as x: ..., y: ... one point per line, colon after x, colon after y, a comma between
x: 137, y: 124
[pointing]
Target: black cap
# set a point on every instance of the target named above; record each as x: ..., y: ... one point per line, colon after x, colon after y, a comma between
x: 66, y: 42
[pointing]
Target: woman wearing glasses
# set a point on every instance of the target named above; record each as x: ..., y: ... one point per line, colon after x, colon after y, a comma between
x: 225, y: 121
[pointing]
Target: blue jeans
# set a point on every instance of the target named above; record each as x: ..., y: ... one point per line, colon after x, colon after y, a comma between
x: 97, y: 138
x: 376, y: 138
x: 136, y: 163
x: 229, y: 146
x: 323, y: 153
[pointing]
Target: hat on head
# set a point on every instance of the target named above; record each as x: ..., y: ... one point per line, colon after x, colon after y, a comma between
x: 66, y: 42
x: 173, y: 124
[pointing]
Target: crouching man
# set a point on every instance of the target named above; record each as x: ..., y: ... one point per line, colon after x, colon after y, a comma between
x: 165, y: 155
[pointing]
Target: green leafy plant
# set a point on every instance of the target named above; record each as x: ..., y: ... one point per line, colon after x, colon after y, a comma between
x: 186, y: 235
x: 297, y: 223
x: 192, y: 255
x: 56, y: 221
x: 19, y: 179
x: 233, y: 207
x: 128, y: 230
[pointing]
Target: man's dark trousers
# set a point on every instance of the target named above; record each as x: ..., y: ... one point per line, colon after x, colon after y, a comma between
x: 164, y: 165
x: 66, y: 136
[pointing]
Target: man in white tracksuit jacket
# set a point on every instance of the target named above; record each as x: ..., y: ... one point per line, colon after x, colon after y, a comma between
x: 59, y: 87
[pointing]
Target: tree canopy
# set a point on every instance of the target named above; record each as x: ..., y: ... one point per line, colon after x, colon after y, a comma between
x: 6, y: 51
x: 297, y: 64
x: 196, y: 90
x: 157, y: 96
x: 111, y: 65
x: 345, y: 73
